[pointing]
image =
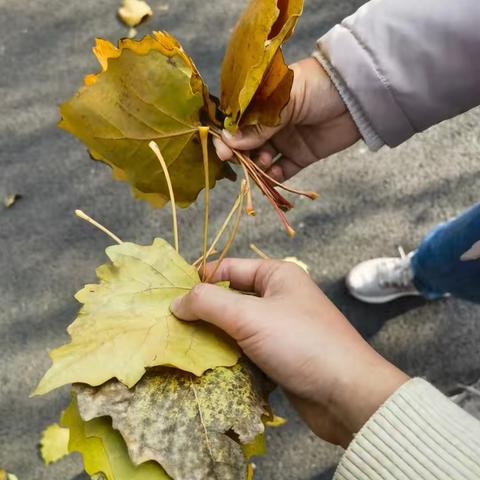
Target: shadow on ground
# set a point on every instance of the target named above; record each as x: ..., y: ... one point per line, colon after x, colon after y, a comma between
x: 368, y: 319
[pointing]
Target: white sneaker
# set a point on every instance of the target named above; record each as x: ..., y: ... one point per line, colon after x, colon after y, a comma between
x: 382, y: 279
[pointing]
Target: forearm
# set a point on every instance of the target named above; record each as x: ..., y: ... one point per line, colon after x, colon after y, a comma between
x: 417, y: 433
x: 406, y: 65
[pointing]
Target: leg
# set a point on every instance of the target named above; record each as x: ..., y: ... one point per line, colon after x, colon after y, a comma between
x: 448, y: 259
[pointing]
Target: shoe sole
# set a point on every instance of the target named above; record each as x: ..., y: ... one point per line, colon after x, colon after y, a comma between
x: 384, y: 299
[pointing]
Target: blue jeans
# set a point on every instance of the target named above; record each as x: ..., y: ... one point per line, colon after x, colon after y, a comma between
x: 437, y: 264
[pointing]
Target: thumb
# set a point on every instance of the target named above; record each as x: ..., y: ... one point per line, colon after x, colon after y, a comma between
x: 250, y: 137
x: 216, y: 305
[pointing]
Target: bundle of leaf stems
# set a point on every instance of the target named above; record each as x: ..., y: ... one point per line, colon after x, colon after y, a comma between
x: 267, y: 185
x: 250, y: 170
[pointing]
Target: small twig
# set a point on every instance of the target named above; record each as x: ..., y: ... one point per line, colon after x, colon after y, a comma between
x: 203, y: 132
x: 84, y: 216
x: 232, y: 235
x: 156, y: 151
x: 259, y: 252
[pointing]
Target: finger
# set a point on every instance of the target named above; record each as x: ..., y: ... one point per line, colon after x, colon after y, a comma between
x: 335, y: 136
x: 283, y: 169
x: 292, y: 144
x: 242, y: 273
x: 224, y: 153
x: 265, y: 156
x: 216, y: 305
x: 250, y: 137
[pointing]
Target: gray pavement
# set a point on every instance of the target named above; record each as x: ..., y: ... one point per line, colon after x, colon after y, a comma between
x: 368, y: 204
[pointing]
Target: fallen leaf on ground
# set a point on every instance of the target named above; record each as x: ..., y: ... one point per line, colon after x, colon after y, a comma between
x: 275, y: 421
x: 187, y: 424
x: 255, y: 82
x: 147, y: 90
x: 297, y: 262
x: 54, y: 443
x: 125, y: 324
x: 103, y: 450
x: 4, y: 475
x: 134, y: 12
x: 11, y: 198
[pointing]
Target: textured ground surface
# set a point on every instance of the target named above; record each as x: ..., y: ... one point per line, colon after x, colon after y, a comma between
x: 368, y: 205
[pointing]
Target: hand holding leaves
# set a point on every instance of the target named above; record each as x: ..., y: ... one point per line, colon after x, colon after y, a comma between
x: 150, y: 90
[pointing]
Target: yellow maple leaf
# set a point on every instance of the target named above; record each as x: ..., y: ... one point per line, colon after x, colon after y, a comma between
x: 54, y: 443
x: 103, y: 450
x: 146, y: 90
x: 255, y: 82
x: 125, y: 324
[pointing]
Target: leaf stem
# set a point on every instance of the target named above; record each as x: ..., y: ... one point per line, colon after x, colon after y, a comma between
x: 154, y: 147
x: 84, y: 216
x: 249, y: 208
x: 198, y: 261
x: 222, y: 229
x: 310, y: 195
x: 233, y: 233
x: 203, y: 132
x: 274, y: 197
x: 259, y: 252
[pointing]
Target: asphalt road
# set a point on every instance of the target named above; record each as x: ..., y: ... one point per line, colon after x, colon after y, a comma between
x: 369, y: 203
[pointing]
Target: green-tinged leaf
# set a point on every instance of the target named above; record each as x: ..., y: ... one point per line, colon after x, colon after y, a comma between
x: 54, y: 443
x: 275, y: 421
x: 255, y: 82
x: 147, y: 90
x: 103, y: 449
x: 192, y: 426
x: 255, y: 448
x: 125, y: 324
x: 4, y: 475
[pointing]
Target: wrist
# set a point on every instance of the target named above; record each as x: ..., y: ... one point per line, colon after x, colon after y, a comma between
x: 315, y: 97
x: 369, y: 383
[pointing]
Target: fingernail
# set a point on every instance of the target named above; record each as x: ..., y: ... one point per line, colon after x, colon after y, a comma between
x: 175, y: 304
x: 230, y: 136
x: 223, y: 152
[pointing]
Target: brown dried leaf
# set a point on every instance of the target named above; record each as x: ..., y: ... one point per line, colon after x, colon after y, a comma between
x: 187, y: 424
x: 255, y: 82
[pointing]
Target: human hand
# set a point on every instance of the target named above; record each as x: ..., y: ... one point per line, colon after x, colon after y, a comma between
x: 314, y: 125
x: 297, y: 336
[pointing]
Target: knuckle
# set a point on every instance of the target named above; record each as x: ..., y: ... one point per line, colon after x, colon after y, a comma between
x: 197, y: 294
x: 279, y: 273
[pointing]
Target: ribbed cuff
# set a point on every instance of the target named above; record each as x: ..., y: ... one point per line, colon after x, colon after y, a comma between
x: 417, y: 434
x: 371, y: 138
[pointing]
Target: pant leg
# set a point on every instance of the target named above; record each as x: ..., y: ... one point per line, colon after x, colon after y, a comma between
x: 437, y: 264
